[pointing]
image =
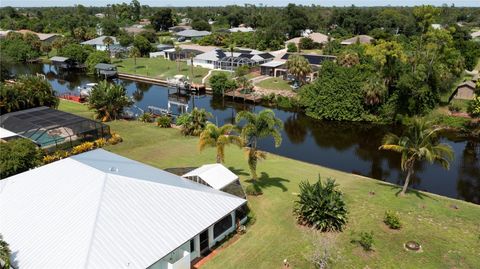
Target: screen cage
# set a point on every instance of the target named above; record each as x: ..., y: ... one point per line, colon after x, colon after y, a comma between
x: 52, y: 129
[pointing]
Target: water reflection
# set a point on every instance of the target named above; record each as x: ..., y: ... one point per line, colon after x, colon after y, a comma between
x: 351, y: 147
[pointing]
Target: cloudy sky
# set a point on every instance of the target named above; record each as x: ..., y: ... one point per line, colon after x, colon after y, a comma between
x: 35, y: 3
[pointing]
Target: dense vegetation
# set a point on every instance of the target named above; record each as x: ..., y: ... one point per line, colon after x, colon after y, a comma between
x: 108, y: 100
x: 18, y: 156
x: 27, y: 92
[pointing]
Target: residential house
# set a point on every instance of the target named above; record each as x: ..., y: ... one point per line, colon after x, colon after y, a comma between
x: 98, y: 43
x: 220, y: 59
x: 475, y: 35
x: 241, y: 29
x: 362, y: 39
x: 134, y: 29
x: 4, y: 34
x: 62, y: 62
x: 186, y: 51
x: 102, y: 210
x: 464, y: 91
x: 145, y: 22
x: 316, y: 37
x: 100, y: 15
x: 277, y: 67
x: 192, y: 34
x: 179, y: 28
x: 44, y: 38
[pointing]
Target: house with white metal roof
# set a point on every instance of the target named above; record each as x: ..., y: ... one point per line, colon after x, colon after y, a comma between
x: 98, y: 44
x: 219, y: 59
x: 102, y: 210
x: 192, y: 34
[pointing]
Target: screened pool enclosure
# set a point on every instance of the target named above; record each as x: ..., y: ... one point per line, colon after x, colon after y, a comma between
x: 51, y: 129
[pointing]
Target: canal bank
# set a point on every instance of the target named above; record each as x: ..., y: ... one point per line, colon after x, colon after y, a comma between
x: 345, y: 146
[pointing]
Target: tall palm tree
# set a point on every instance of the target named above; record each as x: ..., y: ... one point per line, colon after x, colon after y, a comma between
x: 374, y: 91
x: 417, y: 144
x: 177, y: 57
x: 108, y: 100
x: 231, y: 48
x: 298, y: 66
x: 258, y: 126
x: 218, y: 137
x: 134, y: 53
x: 107, y: 41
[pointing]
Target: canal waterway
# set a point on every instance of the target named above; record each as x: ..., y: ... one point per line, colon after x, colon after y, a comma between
x: 346, y: 146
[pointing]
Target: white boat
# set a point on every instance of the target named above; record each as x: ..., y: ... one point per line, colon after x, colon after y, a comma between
x: 179, y: 81
x: 86, y: 89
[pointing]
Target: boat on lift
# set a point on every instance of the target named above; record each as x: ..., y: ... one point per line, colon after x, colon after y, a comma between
x: 179, y: 81
x: 86, y: 89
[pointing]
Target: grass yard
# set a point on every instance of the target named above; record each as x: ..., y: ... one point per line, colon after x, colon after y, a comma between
x: 450, y: 237
x: 158, y: 68
x: 274, y: 84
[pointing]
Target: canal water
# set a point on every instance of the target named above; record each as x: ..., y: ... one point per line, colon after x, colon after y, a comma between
x: 350, y: 147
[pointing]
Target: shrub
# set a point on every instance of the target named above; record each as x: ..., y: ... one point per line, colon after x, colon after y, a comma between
x: 454, y: 108
x: 194, y: 123
x: 220, y: 83
x: 474, y: 107
x: 164, y: 122
x: 18, y: 156
x: 95, y: 58
x: 146, y: 117
x: 57, y: 155
x: 291, y: 47
x: 99, y: 143
x: 253, y: 190
x: 392, y: 220
x: 366, y: 240
x: 321, y: 205
x: 84, y: 147
x: 5, y: 252
x: 115, y: 139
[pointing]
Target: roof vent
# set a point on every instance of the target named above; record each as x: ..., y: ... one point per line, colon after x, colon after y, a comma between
x: 113, y: 169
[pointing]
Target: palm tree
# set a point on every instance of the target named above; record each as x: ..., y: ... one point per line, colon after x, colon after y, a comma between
x: 258, y: 126
x: 231, y: 48
x: 417, y: 144
x: 134, y: 53
x: 374, y: 91
x: 298, y: 66
x: 107, y: 41
x: 108, y: 100
x: 194, y: 123
x: 177, y: 57
x: 218, y: 137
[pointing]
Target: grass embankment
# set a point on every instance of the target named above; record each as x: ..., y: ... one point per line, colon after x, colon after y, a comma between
x: 450, y: 237
x: 274, y: 84
x: 159, y: 68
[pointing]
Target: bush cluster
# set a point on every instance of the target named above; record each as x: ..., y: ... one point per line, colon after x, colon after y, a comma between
x: 321, y: 206
x: 392, y: 220
x: 164, y: 122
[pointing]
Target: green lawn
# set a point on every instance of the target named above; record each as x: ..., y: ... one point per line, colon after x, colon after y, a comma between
x: 274, y: 84
x: 450, y: 237
x: 158, y: 68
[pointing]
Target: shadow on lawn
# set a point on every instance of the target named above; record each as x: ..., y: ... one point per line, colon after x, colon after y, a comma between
x: 238, y: 172
x: 265, y: 181
x: 409, y: 191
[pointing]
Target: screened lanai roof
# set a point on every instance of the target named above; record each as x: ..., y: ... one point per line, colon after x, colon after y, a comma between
x: 46, y: 126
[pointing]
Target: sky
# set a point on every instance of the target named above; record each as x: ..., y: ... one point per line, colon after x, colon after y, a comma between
x: 36, y: 3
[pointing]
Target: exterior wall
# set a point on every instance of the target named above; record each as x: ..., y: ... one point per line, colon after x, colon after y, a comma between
x: 203, y: 63
x: 464, y: 93
x: 164, y: 262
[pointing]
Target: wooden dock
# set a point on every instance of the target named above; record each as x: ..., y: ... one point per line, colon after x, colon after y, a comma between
x: 251, y: 97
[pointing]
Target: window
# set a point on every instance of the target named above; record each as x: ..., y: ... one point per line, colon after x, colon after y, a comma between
x: 221, y: 226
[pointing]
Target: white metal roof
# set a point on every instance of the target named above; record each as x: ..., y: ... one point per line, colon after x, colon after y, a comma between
x: 216, y: 175
x: 99, y: 41
x: 101, y: 210
x: 273, y: 63
x: 4, y: 133
x: 193, y: 33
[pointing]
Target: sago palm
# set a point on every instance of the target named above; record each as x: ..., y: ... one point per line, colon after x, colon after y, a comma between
x: 219, y: 137
x: 417, y: 144
x: 299, y: 67
x: 258, y: 126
